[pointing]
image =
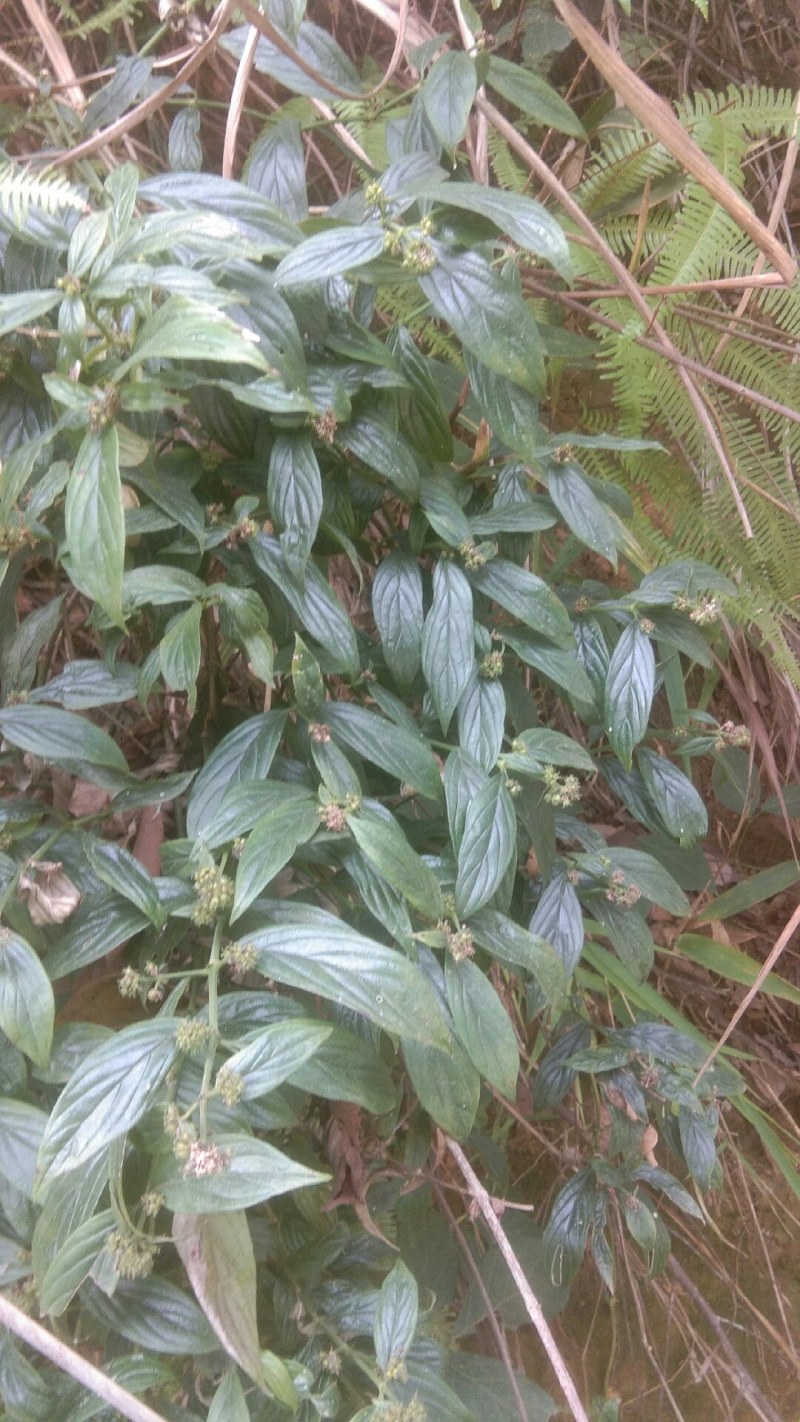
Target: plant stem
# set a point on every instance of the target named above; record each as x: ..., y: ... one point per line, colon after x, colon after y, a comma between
x: 214, y: 964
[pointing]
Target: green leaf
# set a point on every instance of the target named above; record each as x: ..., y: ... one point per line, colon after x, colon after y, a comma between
x: 481, y: 720
x: 529, y: 516
x: 217, y: 1254
x: 422, y: 415
x: 511, y: 411
x: 525, y: 221
x: 276, y: 168
x: 97, y: 928
x: 758, y: 889
x: 294, y: 490
x: 347, y: 1068
x: 730, y: 962
x: 448, y: 640
x: 309, y: 688
x: 270, y: 845
x: 526, y: 597
x: 83, y: 685
x: 112, y: 1089
x: 218, y: 207
x: 95, y: 522
x: 27, y: 1006
x: 395, y: 749
x: 561, y: 667
x: 698, y: 1141
x: 73, y: 1263
x: 382, y: 449
x: 567, y: 1229
x: 160, y: 586
x: 331, y: 959
x: 448, y: 94
x: 60, y: 737
x: 483, y: 1383
x: 250, y: 1171
x: 488, y: 847
x: 229, y: 1403
x: 179, y: 653
x: 641, y: 870
x: 185, y: 151
x: 398, y: 612
x: 275, y: 1054
x: 22, y: 308
x: 487, y: 315
x: 244, y: 755
x: 482, y: 1025
x: 155, y: 1315
x: 558, y: 919
x: 679, y: 806
x: 395, y: 1316
x: 628, y: 692
x: 186, y: 329
x: 330, y: 253
x: 447, y: 1084
x: 513, y: 944
x: 534, y: 96
x: 21, y: 1129
x: 118, y: 868
x: 382, y: 840
x: 545, y: 747
x: 582, y: 511
x: 315, y: 605
x: 629, y: 934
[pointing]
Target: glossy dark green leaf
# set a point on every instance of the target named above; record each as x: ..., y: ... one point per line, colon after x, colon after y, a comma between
x: 447, y: 1084
x: 483, y: 1383
x: 395, y: 1316
x: 394, y: 748
x: 96, y: 929
x: 698, y: 1141
x: 529, y: 516
x: 526, y: 597
x: 423, y: 418
x: 216, y: 1251
x: 179, y: 652
x: 315, y: 605
x: 118, y: 868
x: 245, y: 754
x: 21, y: 308
x: 559, y: 666
x: 448, y: 640
x: 558, y: 919
x: 276, y: 168
x: 160, y: 586
x: 112, y: 1089
x: 567, y: 1229
x: 22, y: 1127
x: 628, y: 692
x: 482, y: 1025
x: 398, y: 612
x: 229, y: 1403
x: 481, y: 720
x: 185, y: 329
x: 381, y: 838
x: 270, y: 845
x: 443, y: 511
x: 328, y: 254
x: 630, y: 936
x: 83, y: 685
x: 155, y: 1315
x: 536, y: 98
x: 511, y: 943
x: 448, y: 94
x: 328, y: 958
x: 679, y: 806
x: 489, y: 317
x: 385, y: 451
x: 294, y: 490
x: 582, y: 511
x: 62, y: 737
x: 309, y: 688
x: 463, y: 779
x: 522, y: 219
x: 185, y: 150
x: 27, y: 1007
x: 323, y: 57
x: 488, y: 847
x: 248, y: 1171
x: 641, y: 870
x: 345, y: 1067
x: 271, y: 1056
x: 95, y: 523
x: 540, y: 746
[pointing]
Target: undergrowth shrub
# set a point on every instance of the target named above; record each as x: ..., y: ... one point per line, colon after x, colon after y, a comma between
x: 360, y: 637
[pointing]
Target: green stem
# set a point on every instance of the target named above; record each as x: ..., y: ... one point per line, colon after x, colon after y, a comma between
x: 214, y: 965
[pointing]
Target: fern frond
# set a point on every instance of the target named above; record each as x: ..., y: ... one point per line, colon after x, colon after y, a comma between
x: 20, y: 190
x: 111, y: 14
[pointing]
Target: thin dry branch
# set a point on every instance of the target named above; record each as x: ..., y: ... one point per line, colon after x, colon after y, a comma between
x: 72, y: 1363
x: 534, y: 1308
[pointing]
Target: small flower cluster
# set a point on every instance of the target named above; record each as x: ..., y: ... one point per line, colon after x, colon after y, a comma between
x: 131, y: 1254
x: 240, y: 957
x: 413, y: 1411
x: 146, y: 985
x: 240, y: 531
x: 582, y: 604
x: 151, y: 1202
x: 205, y: 1160
x: 334, y: 815
x: 647, y: 625
x: 563, y: 454
x: 319, y: 733
x: 230, y: 1085
x: 471, y: 555
x: 214, y: 894
x: 331, y: 1362
x: 729, y: 734
x: 415, y: 246
x: 708, y: 611
x: 460, y: 943
x: 492, y: 666
x: 192, y: 1036
x: 14, y: 536
x: 560, y: 790
x: 618, y: 892
x: 325, y: 425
